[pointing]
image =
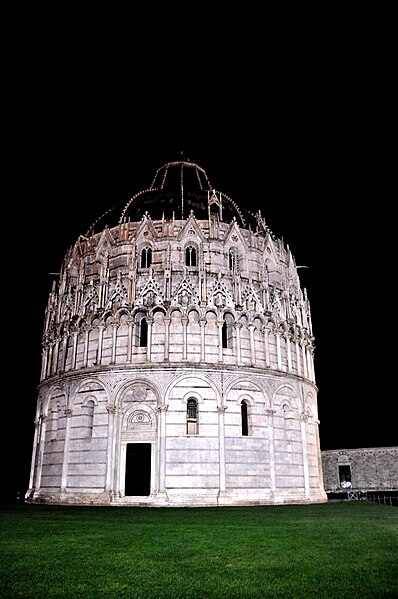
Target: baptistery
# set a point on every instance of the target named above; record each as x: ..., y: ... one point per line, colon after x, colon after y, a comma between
x: 177, y: 359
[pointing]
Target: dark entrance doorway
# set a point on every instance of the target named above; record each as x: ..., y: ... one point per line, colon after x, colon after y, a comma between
x: 138, y: 469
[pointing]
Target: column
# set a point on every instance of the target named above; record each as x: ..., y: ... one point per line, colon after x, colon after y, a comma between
x: 184, y: 322
x: 101, y: 328
x: 53, y: 365
x: 166, y: 321
x: 64, y: 351
x: 298, y: 359
x: 238, y: 327
x: 252, y: 349
x: 304, y: 358
x: 44, y: 362
x: 220, y: 346
x: 115, y: 327
x: 109, y: 449
x: 161, y: 484
x: 221, y: 449
x: 132, y: 344
x: 278, y: 350
x: 42, y: 440
x: 303, y: 422
x: 266, y: 346
x: 115, y: 464
x: 149, y: 321
x: 129, y: 338
x: 202, y: 322
x: 85, y: 351
x: 34, y: 456
x: 289, y: 352
x: 272, y: 473
x: 50, y: 358
x: 74, y: 350
x: 64, y: 476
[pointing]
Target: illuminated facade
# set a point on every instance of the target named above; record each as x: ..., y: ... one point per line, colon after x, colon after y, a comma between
x: 177, y: 363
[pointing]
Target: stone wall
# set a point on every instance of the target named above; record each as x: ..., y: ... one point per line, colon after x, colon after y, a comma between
x: 364, y: 469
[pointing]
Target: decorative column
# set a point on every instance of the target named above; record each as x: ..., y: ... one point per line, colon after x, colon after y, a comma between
x: 44, y: 362
x: 116, y: 456
x: 298, y: 359
x: 64, y: 475
x: 252, y: 349
x: 131, y: 341
x: 130, y: 323
x: 311, y: 363
x: 166, y: 321
x: 149, y: 321
x: 115, y: 327
x: 184, y: 322
x: 85, y: 351
x: 50, y: 359
x: 202, y: 322
x: 238, y: 327
x: 289, y: 352
x: 161, y: 457
x: 42, y: 440
x: 101, y: 328
x: 220, y: 346
x: 265, y: 331
x: 109, y: 449
x: 53, y: 365
x: 278, y: 350
x: 74, y: 350
x: 34, y: 456
x: 304, y: 358
x: 64, y: 351
x: 272, y: 473
x: 303, y: 422
x: 221, y: 449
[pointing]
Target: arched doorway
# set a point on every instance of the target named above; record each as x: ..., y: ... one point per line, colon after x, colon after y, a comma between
x: 138, y: 469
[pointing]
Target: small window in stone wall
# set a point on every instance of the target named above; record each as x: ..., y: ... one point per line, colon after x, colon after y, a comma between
x: 88, y: 418
x: 192, y: 417
x: 244, y: 418
x: 54, y: 421
x: 141, y: 330
x: 345, y: 476
x: 190, y: 256
x: 146, y: 257
x: 143, y: 333
x: 227, y: 331
x: 232, y: 259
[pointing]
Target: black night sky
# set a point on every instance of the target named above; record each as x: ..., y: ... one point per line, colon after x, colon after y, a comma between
x: 295, y: 124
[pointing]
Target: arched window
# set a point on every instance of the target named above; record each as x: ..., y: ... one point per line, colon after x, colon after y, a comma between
x: 54, y: 421
x: 88, y: 418
x: 190, y: 256
x: 143, y: 332
x: 244, y: 418
x: 224, y: 335
x: 192, y: 416
x: 227, y: 331
x: 232, y: 259
x: 146, y: 257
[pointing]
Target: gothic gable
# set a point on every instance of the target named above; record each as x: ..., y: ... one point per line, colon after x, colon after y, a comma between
x: 191, y: 230
x: 105, y: 244
x: 146, y: 230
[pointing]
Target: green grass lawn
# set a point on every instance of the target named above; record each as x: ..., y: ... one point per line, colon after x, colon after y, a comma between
x: 333, y: 550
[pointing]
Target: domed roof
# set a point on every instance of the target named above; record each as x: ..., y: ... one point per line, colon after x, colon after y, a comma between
x: 177, y: 189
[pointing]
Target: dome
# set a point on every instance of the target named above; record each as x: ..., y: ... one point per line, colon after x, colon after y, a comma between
x: 179, y: 188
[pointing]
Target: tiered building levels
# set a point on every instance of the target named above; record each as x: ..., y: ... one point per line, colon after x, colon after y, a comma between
x: 177, y: 360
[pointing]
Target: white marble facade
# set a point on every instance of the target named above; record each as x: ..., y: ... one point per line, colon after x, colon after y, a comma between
x: 177, y: 362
